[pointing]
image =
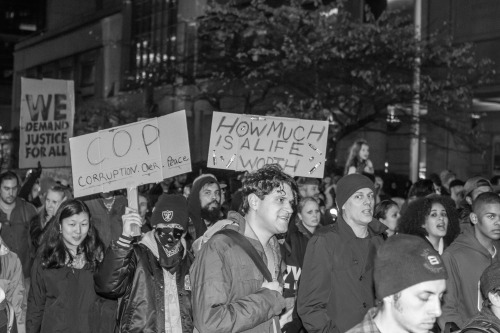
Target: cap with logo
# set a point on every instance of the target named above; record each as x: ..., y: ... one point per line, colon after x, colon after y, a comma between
x: 404, y: 261
x: 170, y: 209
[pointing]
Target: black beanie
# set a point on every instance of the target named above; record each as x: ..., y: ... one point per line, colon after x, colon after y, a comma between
x: 170, y: 208
x: 348, y: 185
x: 403, y: 261
x: 490, y: 279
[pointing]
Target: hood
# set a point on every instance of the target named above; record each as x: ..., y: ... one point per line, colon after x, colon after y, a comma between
x: 194, y: 204
x: 468, y: 240
x: 149, y: 241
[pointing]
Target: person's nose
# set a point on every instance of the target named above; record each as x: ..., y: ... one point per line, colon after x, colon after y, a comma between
x: 435, y: 308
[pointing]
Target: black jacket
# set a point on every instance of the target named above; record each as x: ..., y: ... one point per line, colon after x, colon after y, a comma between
x: 60, y: 300
x: 134, y: 274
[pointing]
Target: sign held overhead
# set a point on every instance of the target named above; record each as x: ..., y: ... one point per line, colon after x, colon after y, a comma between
x: 247, y: 142
x: 130, y: 155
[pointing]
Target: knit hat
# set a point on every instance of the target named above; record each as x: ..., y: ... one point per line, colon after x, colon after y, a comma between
x: 403, y: 261
x: 170, y: 208
x: 490, y: 279
x: 472, y: 183
x: 348, y: 185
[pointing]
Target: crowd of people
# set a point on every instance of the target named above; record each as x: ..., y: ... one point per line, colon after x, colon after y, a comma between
x: 263, y: 252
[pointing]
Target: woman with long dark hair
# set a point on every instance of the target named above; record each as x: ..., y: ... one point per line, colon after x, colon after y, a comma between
x: 62, y: 283
x: 358, y: 159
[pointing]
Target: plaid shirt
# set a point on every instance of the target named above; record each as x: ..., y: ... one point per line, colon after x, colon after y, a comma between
x: 367, y: 325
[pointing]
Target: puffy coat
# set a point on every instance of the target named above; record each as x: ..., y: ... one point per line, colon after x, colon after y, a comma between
x: 133, y: 272
x: 336, y: 288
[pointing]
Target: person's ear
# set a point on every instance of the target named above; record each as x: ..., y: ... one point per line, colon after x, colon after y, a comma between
x: 253, y: 201
x: 473, y: 218
x: 468, y: 199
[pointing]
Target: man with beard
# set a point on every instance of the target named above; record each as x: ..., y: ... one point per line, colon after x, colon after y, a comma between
x: 151, y: 277
x: 204, y: 204
x: 229, y: 291
x: 336, y: 288
x: 15, y: 216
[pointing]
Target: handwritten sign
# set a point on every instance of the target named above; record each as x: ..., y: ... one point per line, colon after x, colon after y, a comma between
x: 131, y: 155
x: 46, y: 122
x: 245, y: 142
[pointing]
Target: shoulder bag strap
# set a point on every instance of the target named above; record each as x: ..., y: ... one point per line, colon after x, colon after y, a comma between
x: 243, y: 242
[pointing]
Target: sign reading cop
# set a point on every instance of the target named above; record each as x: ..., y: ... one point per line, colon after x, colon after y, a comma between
x: 46, y: 122
x: 131, y: 155
x: 247, y: 142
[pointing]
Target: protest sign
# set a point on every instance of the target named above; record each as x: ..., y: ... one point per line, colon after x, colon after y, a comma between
x: 46, y: 122
x: 131, y: 155
x: 246, y: 142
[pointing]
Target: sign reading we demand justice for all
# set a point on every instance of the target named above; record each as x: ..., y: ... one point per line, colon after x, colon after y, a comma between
x: 246, y: 142
x: 47, y: 112
x: 131, y: 155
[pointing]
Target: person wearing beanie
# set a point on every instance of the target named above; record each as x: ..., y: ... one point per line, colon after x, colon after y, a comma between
x: 204, y: 204
x: 467, y: 257
x: 337, y: 274
x: 151, y: 276
x: 410, y: 279
x: 489, y: 316
x: 230, y: 292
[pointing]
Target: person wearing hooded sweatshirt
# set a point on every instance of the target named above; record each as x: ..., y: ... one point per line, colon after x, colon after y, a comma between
x: 466, y: 259
x: 336, y: 288
x: 229, y: 291
x: 204, y: 205
x: 152, y: 276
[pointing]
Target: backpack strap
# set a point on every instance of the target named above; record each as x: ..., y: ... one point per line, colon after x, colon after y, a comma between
x: 243, y: 243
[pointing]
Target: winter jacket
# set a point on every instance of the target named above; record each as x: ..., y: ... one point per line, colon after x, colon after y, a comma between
x: 293, y: 251
x: 12, y: 282
x: 336, y: 288
x: 108, y: 223
x: 133, y: 272
x: 59, y: 300
x: 486, y: 319
x: 15, y: 232
x: 227, y: 286
x: 465, y: 260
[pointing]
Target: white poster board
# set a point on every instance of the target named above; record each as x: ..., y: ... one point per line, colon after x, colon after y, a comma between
x: 130, y: 155
x: 46, y: 122
x: 247, y: 142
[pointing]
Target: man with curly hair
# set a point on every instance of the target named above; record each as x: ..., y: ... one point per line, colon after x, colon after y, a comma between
x: 229, y: 291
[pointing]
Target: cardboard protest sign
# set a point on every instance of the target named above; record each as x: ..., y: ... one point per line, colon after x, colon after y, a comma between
x: 245, y: 142
x: 131, y: 155
x: 46, y: 122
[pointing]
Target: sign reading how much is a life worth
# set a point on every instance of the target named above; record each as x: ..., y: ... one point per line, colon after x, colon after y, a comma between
x: 130, y: 155
x: 46, y: 122
x: 247, y: 142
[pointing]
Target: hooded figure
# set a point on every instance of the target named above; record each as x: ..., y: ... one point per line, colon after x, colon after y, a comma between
x: 204, y: 204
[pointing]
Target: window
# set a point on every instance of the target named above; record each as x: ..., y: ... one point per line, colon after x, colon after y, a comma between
x: 154, y: 27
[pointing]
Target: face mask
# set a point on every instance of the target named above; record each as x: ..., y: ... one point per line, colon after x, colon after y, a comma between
x: 170, y: 235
